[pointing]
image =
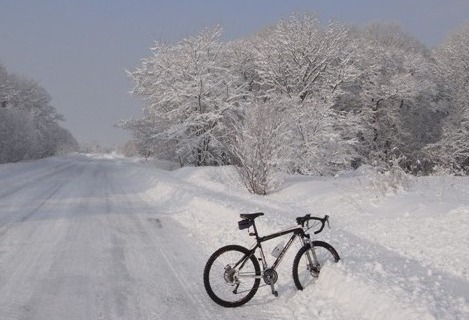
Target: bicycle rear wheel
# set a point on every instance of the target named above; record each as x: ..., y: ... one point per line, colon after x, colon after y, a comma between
x: 229, y: 282
x: 303, y: 271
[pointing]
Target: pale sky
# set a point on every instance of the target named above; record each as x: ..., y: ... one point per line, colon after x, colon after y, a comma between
x: 79, y: 50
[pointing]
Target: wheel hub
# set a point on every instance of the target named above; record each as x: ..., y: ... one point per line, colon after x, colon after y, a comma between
x: 229, y: 275
x: 314, y: 270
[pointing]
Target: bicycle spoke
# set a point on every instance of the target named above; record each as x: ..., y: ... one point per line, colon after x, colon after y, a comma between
x: 229, y: 283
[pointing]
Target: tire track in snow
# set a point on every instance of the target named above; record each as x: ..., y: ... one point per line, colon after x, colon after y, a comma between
x: 36, y: 255
x: 167, y: 239
x: 20, y: 217
x: 28, y: 245
x: 17, y: 184
x: 153, y: 231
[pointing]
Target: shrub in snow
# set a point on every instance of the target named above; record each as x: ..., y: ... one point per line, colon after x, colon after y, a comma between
x: 385, y: 181
x: 259, y: 149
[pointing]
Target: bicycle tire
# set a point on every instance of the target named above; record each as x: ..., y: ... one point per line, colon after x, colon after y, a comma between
x: 324, y: 252
x: 219, y: 288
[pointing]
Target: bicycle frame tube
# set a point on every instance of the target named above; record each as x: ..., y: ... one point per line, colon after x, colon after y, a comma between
x: 284, y: 251
x: 297, y: 232
x: 243, y: 260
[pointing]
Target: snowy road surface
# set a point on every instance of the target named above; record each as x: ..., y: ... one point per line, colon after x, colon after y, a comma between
x: 89, y: 237
x: 77, y: 242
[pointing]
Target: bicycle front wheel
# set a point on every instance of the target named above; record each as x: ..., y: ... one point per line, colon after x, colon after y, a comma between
x: 232, y: 276
x: 304, y: 270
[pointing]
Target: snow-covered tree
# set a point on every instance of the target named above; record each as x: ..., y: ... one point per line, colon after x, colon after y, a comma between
x: 4, y: 87
x: 452, y: 151
x: 64, y: 141
x: 187, y: 87
x: 129, y: 149
x: 148, y: 141
x: 28, y: 123
x: 301, y: 96
x: 302, y: 66
x: 394, y: 94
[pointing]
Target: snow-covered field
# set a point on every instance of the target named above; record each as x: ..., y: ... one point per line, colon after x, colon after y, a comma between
x: 89, y: 237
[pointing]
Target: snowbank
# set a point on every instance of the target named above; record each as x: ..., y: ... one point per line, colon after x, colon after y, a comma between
x: 404, y: 246
x: 403, y: 243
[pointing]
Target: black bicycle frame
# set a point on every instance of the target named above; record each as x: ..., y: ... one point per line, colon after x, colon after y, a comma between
x: 297, y: 232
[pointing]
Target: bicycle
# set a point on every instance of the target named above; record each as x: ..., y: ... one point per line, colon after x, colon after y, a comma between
x: 232, y: 274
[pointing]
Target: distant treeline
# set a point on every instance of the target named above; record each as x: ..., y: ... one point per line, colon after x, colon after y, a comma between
x: 304, y: 97
x: 29, y: 126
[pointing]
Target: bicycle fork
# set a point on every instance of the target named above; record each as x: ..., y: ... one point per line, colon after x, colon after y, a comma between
x: 313, y: 264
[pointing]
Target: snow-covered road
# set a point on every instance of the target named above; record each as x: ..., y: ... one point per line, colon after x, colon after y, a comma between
x: 78, y: 242
x: 90, y: 237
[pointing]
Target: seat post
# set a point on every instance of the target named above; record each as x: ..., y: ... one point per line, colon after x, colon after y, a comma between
x: 262, y: 258
x: 255, y: 230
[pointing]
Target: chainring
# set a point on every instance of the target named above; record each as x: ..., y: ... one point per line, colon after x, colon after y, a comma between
x: 270, y: 276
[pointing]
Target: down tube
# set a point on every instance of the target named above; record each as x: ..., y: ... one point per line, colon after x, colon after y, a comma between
x: 284, y: 251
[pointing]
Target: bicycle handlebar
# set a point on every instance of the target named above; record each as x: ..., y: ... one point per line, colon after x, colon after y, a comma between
x: 306, y: 218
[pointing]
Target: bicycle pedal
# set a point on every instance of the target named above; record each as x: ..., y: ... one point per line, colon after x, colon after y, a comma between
x: 275, y: 293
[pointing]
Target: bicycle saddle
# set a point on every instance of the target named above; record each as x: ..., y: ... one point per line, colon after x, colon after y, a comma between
x: 251, y: 216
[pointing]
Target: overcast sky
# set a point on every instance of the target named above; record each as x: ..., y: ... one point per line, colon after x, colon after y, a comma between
x: 78, y: 50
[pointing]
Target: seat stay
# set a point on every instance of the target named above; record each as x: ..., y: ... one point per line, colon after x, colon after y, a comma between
x: 246, y: 257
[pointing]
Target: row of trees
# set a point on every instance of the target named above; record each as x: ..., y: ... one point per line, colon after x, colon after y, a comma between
x: 306, y: 98
x: 29, y: 126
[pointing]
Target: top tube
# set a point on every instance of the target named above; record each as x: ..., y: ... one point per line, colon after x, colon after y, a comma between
x: 296, y: 230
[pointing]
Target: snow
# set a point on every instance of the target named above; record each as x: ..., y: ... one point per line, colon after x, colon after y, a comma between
x: 94, y: 237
